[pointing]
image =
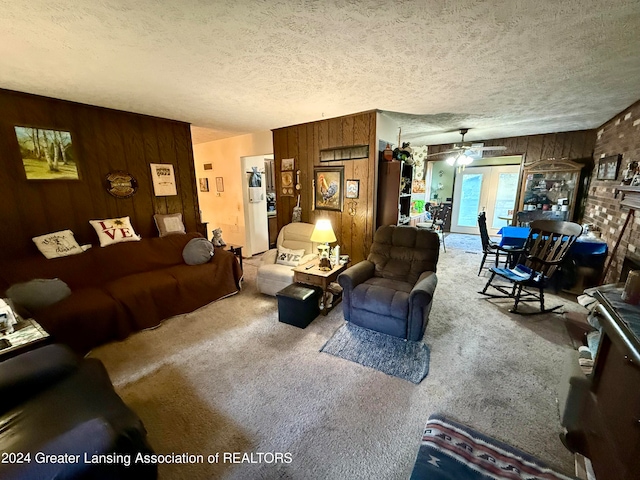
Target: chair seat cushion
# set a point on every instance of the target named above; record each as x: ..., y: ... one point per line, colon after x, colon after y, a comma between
x: 521, y: 274
x: 383, y: 296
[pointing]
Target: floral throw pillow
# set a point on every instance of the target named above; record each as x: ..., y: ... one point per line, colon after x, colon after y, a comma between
x: 114, y: 230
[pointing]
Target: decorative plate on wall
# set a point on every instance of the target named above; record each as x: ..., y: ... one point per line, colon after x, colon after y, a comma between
x: 121, y: 184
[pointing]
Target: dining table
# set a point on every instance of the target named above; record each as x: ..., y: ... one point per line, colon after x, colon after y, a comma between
x: 584, y: 245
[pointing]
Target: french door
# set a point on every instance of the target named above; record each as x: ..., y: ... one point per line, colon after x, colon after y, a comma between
x: 489, y: 189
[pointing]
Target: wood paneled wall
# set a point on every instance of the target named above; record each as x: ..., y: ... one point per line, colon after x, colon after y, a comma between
x: 104, y: 140
x: 575, y: 146
x: 304, y: 142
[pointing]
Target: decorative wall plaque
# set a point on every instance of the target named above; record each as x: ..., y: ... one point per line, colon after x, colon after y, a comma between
x: 121, y: 184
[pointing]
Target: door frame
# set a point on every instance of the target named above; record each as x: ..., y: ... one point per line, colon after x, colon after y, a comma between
x: 487, y: 199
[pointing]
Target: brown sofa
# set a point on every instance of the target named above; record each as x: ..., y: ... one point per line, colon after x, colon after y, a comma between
x: 126, y: 287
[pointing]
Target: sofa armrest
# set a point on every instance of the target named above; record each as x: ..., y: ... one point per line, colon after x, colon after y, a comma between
x: 269, y: 257
x: 420, y: 305
x: 23, y: 376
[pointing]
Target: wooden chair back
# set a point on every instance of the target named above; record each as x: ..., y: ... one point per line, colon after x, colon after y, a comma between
x: 484, y: 233
x: 548, y: 243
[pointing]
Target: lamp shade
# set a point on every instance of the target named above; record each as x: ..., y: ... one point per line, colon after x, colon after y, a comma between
x: 323, y: 233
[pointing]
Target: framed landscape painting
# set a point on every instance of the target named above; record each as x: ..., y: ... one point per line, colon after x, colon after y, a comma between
x: 47, y: 154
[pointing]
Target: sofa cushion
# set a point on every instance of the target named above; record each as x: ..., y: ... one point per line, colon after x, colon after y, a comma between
x: 382, y: 296
x: 57, y: 244
x: 289, y: 257
x: 38, y: 293
x: 114, y: 230
x: 117, y: 261
x: 169, y: 224
x: 86, y: 318
x: 197, y: 251
x: 147, y: 297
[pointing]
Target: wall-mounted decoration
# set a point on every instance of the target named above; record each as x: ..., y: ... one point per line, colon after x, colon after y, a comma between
x: 288, y: 164
x: 164, y: 180
x: 204, y: 184
x: 255, y: 177
x: 219, y: 184
x: 608, y: 167
x: 344, y: 153
x: 208, y: 166
x: 287, y: 184
x: 328, y: 188
x: 47, y: 154
x: 121, y: 184
x: 352, y: 189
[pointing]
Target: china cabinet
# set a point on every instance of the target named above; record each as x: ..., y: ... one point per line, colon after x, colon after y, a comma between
x: 549, y: 190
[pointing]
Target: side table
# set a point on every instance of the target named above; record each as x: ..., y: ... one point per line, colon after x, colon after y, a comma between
x: 27, y: 335
x: 310, y: 274
x: 236, y: 250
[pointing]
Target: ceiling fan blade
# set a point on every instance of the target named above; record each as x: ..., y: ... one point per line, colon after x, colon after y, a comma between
x: 445, y: 152
x: 490, y: 147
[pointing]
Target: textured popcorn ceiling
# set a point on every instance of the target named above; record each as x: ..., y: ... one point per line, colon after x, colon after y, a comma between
x: 502, y: 68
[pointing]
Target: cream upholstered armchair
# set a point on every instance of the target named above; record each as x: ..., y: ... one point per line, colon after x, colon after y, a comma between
x: 273, y: 276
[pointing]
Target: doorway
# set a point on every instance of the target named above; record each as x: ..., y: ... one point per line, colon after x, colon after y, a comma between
x: 489, y: 189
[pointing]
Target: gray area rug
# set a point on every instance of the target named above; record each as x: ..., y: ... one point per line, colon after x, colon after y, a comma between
x: 230, y: 378
x: 390, y: 355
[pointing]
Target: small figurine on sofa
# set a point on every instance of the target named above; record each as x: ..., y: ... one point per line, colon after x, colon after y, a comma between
x: 217, y: 238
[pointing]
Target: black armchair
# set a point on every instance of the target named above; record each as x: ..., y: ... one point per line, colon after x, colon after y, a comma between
x: 391, y: 291
x: 55, y: 403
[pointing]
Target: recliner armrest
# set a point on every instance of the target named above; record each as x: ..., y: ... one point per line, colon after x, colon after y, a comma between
x: 422, y: 291
x: 23, y: 376
x: 355, y: 275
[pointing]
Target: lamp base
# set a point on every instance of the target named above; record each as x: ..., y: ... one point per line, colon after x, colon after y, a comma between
x: 325, y: 265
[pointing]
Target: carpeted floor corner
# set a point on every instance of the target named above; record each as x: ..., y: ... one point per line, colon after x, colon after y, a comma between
x: 230, y: 378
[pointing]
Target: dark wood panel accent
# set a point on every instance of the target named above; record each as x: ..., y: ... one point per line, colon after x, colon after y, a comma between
x: 103, y: 140
x: 304, y: 142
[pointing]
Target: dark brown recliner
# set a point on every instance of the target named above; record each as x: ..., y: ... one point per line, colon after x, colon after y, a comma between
x: 391, y: 291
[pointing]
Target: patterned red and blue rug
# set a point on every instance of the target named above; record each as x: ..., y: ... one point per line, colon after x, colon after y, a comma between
x: 451, y: 451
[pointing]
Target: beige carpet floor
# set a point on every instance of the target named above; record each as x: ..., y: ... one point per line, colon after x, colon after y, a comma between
x: 230, y: 378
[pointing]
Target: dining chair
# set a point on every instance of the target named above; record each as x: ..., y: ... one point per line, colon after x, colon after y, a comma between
x: 548, y: 243
x: 490, y: 247
x: 439, y: 215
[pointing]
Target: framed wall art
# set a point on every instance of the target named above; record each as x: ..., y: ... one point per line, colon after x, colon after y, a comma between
x: 47, y: 154
x: 352, y: 189
x: 204, y: 184
x: 288, y: 164
x: 164, y: 180
x: 328, y: 184
x: 121, y: 184
x: 608, y: 167
x: 219, y: 184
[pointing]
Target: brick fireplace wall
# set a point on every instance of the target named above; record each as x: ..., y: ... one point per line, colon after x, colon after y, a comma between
x: 620, y: 135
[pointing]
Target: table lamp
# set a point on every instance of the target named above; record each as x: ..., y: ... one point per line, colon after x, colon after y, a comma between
x: 323, y: 234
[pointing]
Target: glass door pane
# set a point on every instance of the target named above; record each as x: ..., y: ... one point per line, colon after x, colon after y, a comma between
x: 471, y: 189
x: 505, y: 199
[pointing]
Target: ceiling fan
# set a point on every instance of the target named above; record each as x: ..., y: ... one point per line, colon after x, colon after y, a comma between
x: 462, y: 154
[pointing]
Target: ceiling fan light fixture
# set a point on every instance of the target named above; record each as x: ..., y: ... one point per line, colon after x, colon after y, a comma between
x: 451, y: 160
x: 464, y: 160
